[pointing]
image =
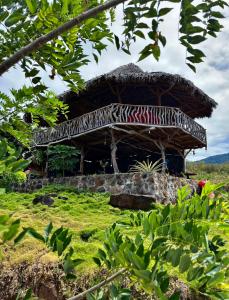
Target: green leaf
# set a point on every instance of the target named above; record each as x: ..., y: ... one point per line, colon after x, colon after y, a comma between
x: 12, y: 231
x: 48, y: 230
x: 156, y: 51
x: 176, y: 256
x: 217, y: 14
x: 96, y: 58
x: 97, y: 261
x: 185, y: 262
x: 164, y: 11
x: 143, y: 274
x: 162, y: 39
x: 142, y: 26
x: 35, y: 80
x: 59, y: 245
x: 175, y: 296
x: 4, y: 219
x: 217, y: 278
x: 32, y: 232
x: 102, y: 254
x: 32, y: 6
x: 28, y: 294
x: 139, y: 33
x: 196, y: 52
x: 194, y: 273
x: 145, y: 53
x: 117, y: 43
x: 191, y: 67
x: 32, y: 73
x: 3, y: 15
x: 20, y: 236
x: 196, y: 39
x: 14, y: 18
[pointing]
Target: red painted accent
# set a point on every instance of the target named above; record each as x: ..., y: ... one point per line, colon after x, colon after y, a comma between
x: 144, y: 118
x: 202, y: 183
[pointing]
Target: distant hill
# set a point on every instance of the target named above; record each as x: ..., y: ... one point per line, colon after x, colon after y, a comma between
x: 215, y: 159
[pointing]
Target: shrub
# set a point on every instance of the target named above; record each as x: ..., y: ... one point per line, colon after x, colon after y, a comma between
x: 9, y: 179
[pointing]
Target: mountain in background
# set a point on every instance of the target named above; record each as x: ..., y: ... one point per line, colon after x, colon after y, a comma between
x: 215, y: 159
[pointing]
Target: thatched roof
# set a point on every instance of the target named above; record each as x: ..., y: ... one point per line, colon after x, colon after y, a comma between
x: 178, y: 91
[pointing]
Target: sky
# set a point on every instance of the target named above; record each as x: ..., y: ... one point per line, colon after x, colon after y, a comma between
x: 212, y: 76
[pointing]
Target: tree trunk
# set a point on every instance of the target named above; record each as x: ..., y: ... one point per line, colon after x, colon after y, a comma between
x: 113, y: 152
x: 163, y: 158
x: 82, y: 156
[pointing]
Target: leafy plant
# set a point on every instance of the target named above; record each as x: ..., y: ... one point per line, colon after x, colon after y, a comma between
x: 62, y: 158
x: 8, y: 228
x: 57, y: 241
x: 174, y: 236
x: 146, y: 166
x: 11, y: 165
x: 114, y: 292
x: 51, y: 36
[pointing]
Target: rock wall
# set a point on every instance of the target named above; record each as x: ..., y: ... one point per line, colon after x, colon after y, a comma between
x: 161, y: 187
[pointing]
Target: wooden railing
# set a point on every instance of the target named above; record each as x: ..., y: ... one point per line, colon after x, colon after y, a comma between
x: 158, y: 116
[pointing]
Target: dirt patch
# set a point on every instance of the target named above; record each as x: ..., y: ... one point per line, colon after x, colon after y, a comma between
x: 48, y: 282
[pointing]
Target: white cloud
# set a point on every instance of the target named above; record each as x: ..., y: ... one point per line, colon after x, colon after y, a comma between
x: 212, y: 75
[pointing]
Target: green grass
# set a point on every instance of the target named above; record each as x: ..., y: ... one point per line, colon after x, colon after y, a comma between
x: 81, y: 213
x: 85, y: 214
x: 213, y: 172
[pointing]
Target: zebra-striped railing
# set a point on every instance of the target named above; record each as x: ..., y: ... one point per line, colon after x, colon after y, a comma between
x: 122, y: 114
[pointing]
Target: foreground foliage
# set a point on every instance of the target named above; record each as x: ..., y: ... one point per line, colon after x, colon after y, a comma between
x: 175, y: 237
x: 183, y: 239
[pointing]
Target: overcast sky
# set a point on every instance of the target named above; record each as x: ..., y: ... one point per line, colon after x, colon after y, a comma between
x: 212, y: 76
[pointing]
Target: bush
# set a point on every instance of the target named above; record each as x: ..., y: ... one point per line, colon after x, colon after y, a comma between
x: 9, y: 179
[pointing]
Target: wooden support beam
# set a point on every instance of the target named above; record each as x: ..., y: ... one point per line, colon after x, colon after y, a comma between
x: 161, y: 147
x: 113, y: 152
x: 82, y: 156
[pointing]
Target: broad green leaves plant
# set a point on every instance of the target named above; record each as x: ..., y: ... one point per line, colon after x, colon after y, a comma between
x: 11, y: 164
x: 42, y: 106
x: 174, y: 236
x: 57, y: 241
x: 62, y: 158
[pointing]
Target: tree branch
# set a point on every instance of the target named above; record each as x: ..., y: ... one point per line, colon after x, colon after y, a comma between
x: 39, y: 42
x: 98, y: 286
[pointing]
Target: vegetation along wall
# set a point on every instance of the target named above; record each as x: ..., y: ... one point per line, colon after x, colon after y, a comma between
x: 161, y: 187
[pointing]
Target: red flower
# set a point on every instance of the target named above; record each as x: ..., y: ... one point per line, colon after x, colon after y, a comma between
x: 202, y: 183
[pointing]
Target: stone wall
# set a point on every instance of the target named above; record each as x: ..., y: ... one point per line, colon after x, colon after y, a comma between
x: 161, y: 187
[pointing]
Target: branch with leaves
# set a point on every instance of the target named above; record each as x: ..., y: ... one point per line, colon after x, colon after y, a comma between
x: 53, y: 36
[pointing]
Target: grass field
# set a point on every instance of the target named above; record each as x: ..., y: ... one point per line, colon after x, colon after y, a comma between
x: 213, y: 172
x: 87, y: 215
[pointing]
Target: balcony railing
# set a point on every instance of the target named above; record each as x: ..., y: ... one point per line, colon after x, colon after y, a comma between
x: 121, y: 114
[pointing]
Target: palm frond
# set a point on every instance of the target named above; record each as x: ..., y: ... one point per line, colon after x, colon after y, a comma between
x: 146, y: 166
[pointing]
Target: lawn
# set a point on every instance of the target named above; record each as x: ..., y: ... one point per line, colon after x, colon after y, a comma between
x: 86, y: 214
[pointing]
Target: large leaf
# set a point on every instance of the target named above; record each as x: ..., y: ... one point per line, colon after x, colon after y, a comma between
x: 185, y: 263
x: 14, y: 18
x: 32, y: 5
x: 12, y: 231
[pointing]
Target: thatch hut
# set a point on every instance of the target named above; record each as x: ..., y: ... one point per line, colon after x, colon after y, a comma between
x: 128, y: 115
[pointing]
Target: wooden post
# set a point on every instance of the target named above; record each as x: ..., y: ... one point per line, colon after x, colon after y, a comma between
x: 113, y: 152
x: 163, y: 158
x: 82, y: 156
x: 162, y: 149
x: 46, y: 164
